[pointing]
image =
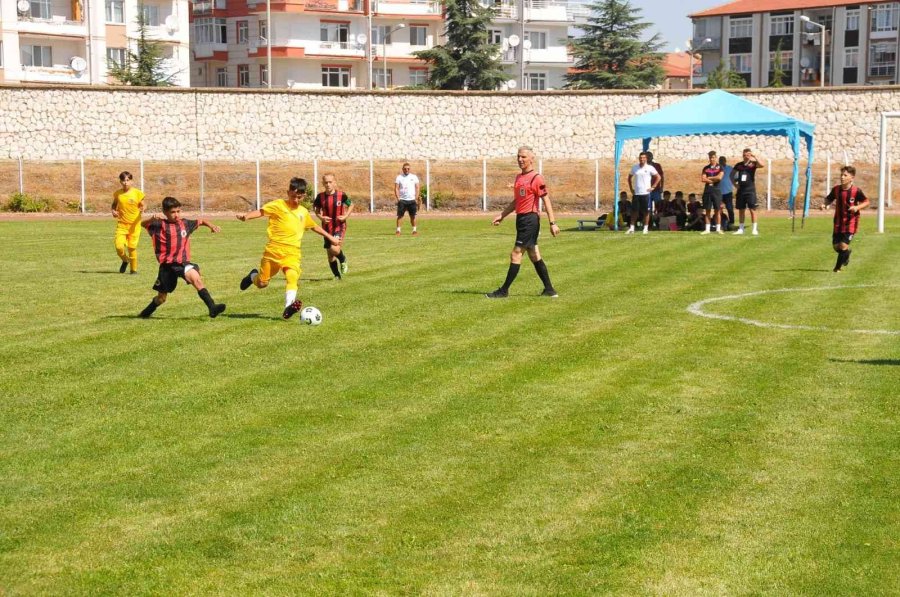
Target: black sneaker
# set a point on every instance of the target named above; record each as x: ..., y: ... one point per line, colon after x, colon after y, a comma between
x: 550, y: 292
x: 123, y: 267
x: 247, y: 280
x: 216, y: 310
x: 292, y: 308
x: 499, y: 293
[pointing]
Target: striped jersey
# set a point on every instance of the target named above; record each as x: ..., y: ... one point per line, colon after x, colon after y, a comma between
x: 171, y: 240
x: 845, y: 221
x: 529, y: 189
x: 332, y: 206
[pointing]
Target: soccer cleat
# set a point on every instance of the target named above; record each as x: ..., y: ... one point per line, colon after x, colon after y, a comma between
x: 550, y: 292
x: 499, y: 293
x: 344, y: 267
x: 415, y: 233
x: 133, y: 273
x: 397, y: 233
x: 646, y: 230
x: 247, y: 280
x: 292, y: 308
x: 756, y: 233
x: 123, y: 267
x: 629, y: 231
x: 738, y: 231
x: 704, y: 232
x: 216, y: 311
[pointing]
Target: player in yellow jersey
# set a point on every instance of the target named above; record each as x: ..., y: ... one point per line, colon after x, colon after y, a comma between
x: 127, y: 206
x: 288, y: 220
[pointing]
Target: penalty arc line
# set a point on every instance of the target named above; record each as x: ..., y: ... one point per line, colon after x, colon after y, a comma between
x: 697, y: 309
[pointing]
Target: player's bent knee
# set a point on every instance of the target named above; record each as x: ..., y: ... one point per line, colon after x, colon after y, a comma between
x: 261, y: 283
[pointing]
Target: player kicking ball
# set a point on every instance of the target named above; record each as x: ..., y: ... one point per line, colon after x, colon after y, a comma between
x: 288, y: 220
x: 171, y: 237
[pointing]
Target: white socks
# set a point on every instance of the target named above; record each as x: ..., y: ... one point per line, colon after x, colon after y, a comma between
x: 289, y: 297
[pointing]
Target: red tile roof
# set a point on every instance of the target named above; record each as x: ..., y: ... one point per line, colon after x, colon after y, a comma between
x: 750, y: 6
x: 678, y: 64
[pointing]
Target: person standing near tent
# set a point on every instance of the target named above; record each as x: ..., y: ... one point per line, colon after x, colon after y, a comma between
x: 710, y: 176
x: 743, y: 176
x: 642, y: 181
x: 656, y: 195
x: 849, y: 200
x: 727, y: 187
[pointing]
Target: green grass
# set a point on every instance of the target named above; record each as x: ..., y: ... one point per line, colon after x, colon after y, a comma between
x: 426, y: 440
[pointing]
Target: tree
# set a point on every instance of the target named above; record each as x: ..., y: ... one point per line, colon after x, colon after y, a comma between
x: 723, y: 78
x: 467, y: 60
x: 145, y: 67
x: 778, y: 74
x: 611, y: 54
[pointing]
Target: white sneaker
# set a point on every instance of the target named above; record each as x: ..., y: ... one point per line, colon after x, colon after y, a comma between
x: 646, y: 230
x: 756, y: 233
x: 720, y: 231
x: 629, y: 231
x: 704, y: 232
x: 739, y: 231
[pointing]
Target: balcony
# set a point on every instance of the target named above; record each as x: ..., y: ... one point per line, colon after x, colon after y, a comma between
x: 57, y: 25
x: 409, y: 7
x: 551, y: 11
x: 336, y: 48
x: 58, y: 73
x: 700, y: 44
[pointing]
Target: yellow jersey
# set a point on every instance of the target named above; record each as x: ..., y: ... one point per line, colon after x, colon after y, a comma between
x: 128, y: 204
x: 287, y: 225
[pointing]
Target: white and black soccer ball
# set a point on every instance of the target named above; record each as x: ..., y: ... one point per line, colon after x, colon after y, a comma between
x: 310, y: 316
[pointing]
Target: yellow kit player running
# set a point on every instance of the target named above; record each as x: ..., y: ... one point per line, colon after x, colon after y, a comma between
x: 288, y: 220
x: 127, y: 206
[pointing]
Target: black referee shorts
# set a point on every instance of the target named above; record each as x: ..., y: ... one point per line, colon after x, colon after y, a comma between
x: 167, y: 278
x: 528, y: 228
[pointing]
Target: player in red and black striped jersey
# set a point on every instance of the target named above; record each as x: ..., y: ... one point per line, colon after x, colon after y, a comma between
x: 530, y: 190
x: 848, y: 201
x: 333, y: 207
x: 172, y: 243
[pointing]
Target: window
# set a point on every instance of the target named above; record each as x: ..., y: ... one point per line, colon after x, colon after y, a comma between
x: 418, y: 76
x: 787, y: 61
x: 495, y: 36
x: 115, y: 56
x: 538, y: 39
x: 781, y: 25
x: 150, y: 14
x: 382, y: 80
x: 37, y: 55
x: 742, y: 27
x: 740, y: 63
x: 263, y: 31
x: 243, y: 32
x: 336, y: 76
x: 221, y: 77
x: 852, y: 19
x: 243, y: 71
x: 334, y: 35
x: 882, y: 58
x: 210, y: 30
x: 115, y: 11
x: 381, y: 34
x: 40, y: 9
x: 263, y: 75
x: 851, y: 57
x: 536, y: 81
x: 417, y: 35
x: 885, y: 17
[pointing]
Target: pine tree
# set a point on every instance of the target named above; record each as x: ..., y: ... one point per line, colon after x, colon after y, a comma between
x: 467, y: 60
x: 778, y: 74
x: 611, y: 54
x: 146, y: 66
x: 723, y: 78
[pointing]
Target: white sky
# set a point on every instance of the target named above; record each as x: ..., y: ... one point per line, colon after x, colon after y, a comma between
x: 670, y: 18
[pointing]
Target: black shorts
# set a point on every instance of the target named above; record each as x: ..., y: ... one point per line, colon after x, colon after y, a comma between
x: 528, y: 228
x: 640, y: 204
x: 407, y: 206
x: 712, y: 198
x: 167, y: 278
x: 838, y: 238
x: 746, y: 199
x: 336, y: 234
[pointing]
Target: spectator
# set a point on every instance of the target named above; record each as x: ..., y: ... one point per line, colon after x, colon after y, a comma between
x: 727, y: 188
x: 694, y: 214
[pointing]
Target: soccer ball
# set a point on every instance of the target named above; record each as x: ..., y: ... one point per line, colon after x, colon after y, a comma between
x: 310, y: 316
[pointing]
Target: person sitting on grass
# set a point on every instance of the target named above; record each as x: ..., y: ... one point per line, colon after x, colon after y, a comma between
x: 171, y: 237
x: 696, y: 219
x: 624, y: 213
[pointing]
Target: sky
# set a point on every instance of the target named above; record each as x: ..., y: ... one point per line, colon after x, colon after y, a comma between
x: 669, y: 18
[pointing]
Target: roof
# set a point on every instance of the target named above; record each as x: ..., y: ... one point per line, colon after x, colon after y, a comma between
x: 751, y: 6
x: 678, y: 64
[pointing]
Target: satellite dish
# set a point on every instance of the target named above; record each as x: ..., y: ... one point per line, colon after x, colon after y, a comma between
x: 526, y: 44
x: 171, y: 24
x: 513, y: 40
x: 23, y: 6
x: 804, y: 62
x: 78, y: 64
x: 361, y: 38
x: 511, y: 83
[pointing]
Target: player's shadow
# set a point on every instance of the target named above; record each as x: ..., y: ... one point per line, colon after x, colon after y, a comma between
x: 803, y: 269
x: 467, y: 291
x: 249, y: 316
x: 99, y: 271
x: 894, y: 362
x: 315, y: 279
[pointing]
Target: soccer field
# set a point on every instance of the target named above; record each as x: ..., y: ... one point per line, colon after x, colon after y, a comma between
x: 425, y: 439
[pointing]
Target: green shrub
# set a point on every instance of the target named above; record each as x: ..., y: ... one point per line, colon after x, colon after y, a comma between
x: 24, y: 203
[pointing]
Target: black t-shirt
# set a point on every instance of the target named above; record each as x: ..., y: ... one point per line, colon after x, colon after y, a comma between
x: 711, y: 171
x: 745, y: 175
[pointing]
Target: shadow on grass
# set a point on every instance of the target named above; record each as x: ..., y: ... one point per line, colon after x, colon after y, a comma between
x: 99, y: 271
x: 894, y: 362
x: 803, y: 269
x: 249, y: 316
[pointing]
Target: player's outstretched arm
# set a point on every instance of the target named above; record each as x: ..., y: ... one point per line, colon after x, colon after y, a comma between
x: 250, y: 215
x: 506, y: 211
x: 208, y: 224
x: 548, y: 207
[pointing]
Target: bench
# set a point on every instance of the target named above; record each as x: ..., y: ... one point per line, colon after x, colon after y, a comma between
x: 594, y: 224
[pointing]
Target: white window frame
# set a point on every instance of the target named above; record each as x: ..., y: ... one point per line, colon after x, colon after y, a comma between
x: 151, y: 14
x: 417, y: 34
x: 536, y: 81
x: 885, y: 17
x: 495, y: 36
x: 741, y: 63
x: 379, y: 78
x: 851, y: 57
x: 116, y: 56
x: 263, y: 75
x: 852, y: 19
x: 46, y: 55
x: 418, y: 76
x: 341, y: 72
x: 210, y: 30
x: 538, y: 39
x: 740, y: 27
x: 243, y: 75
x: 41, y: 9
x: 885, y: 67
x: 221, y: 76
x: 115, y: 11
x: 787, y: 61
x: 242, y: 29
x: 263, y: 30
x: 781, y: 25
x: 381, y: 35
x: 331, y: 34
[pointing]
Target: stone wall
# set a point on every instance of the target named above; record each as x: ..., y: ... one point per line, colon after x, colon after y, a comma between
x: 188, y: 124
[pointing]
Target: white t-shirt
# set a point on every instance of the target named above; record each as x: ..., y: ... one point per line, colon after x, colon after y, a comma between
x: 407, y: 184
x: 643, y: 178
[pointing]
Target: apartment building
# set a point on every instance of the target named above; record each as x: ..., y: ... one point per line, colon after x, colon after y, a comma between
x: 842, y: 42
x: 361, y: 44
x: 72, y: 41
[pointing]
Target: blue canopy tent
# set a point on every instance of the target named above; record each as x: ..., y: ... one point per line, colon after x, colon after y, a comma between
x: 718, y: 112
